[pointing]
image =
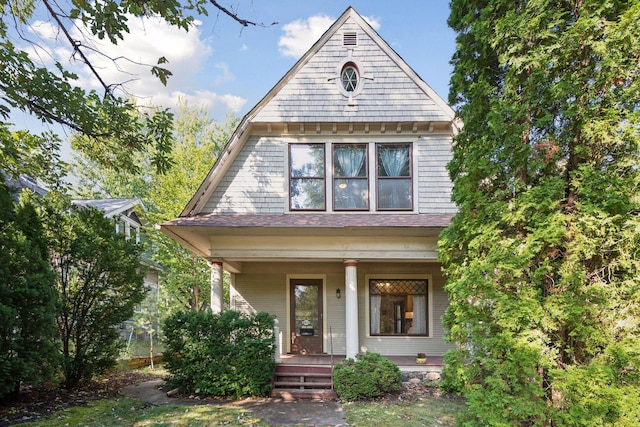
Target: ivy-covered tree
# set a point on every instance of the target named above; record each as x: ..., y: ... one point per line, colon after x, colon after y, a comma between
x: 543, y: 259
x: 27, y: 297
x: 98, y: 283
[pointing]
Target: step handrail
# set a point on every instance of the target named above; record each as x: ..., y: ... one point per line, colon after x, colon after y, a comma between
x: 331, y: 350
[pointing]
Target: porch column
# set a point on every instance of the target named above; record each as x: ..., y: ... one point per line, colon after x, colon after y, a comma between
x: 216, y: 286
x: 351, y: 307
x: 278, y: 336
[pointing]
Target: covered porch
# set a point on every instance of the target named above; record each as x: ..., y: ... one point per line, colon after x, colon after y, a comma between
x: 337, y: 284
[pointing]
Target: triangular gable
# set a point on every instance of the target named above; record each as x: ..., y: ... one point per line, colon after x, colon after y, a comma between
x: 394, y: 92
x: 391, y: 89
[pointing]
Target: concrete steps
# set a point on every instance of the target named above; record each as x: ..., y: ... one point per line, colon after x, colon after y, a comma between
x: 292, y: 382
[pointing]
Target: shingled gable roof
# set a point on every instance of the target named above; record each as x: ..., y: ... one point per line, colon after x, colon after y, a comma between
x: 240, y: 135
x: 111, y: 207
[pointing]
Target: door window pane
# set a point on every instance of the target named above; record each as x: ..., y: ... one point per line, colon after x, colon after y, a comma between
x: 306, y: 321
x: 306, y: 177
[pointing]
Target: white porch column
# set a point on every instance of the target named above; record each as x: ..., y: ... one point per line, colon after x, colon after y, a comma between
x: 351, y: 307
x: 278, y: 337
x: 216, y: 286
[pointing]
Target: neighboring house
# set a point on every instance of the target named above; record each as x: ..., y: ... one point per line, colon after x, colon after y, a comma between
x: 327, y: 202
x: 25, y: 181
x: 126, y: 215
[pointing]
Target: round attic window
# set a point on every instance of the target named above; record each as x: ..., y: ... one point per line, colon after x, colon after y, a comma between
x: 349, y: 77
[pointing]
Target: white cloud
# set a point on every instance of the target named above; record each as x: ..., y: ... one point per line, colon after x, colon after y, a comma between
x: 128, y: 63
x: 373, y: 21
x: 300, y: 35
x: 210, y: 100
x: 147, y: 41
x: 44, y: 29
x: 225, y: 74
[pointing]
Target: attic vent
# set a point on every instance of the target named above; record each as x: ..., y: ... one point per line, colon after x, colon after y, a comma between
x: 350, y: 39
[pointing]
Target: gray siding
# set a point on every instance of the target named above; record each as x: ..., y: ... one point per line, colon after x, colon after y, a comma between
x: 255, y: 181
x: 388, y: 94
x: 434, y: 184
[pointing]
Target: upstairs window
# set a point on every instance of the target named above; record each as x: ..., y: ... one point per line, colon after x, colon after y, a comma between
x: 307, y: 177
x: 350, y: 166
x: 395, y: 190
x: 350, y: 177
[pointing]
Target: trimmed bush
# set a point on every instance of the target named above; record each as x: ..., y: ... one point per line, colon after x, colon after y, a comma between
x: 368, y: 377
x: 230, y: 354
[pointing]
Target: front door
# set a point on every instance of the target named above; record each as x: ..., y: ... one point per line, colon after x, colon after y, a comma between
x: 306, y: 316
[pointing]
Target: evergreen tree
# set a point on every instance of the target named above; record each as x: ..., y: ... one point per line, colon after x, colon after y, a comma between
x: 543, y: 259
x: 98, y: 284
x: 27, y: 298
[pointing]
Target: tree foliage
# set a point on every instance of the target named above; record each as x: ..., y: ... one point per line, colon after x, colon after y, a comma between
x: 27, y: 298
x: 98, y: 284
x: 197, y: 142
x: 543, y: 258
x: 52, y: 93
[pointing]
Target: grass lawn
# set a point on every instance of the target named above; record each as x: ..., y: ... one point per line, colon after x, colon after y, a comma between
x: 413, y: 407
x: 432, y: 411
x: 131, y: 412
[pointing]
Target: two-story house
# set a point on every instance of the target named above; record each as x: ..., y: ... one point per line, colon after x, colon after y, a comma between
x: 327, y: 202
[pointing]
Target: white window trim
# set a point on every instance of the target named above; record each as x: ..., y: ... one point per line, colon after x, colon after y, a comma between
x: 361, y: 77
x: 367, y: 309
x: 128, y: 225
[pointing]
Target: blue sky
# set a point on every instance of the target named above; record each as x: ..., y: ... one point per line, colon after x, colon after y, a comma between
x: 256, y: 58
x: 225, y: 66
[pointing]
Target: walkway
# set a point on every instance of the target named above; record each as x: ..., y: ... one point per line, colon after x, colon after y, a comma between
x: 276, y: 412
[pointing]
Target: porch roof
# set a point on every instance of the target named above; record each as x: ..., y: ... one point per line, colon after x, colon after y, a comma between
x: 310, y: 236
x: 319, y: 220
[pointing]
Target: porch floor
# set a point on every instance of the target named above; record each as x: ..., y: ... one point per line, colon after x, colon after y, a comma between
x: 405, y: 363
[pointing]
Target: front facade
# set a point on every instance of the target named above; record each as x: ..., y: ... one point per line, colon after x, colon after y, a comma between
x: 327, y: 202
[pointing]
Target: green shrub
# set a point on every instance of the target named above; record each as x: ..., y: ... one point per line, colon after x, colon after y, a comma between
x: 370, y: 376
x: 454, y: 374
x: 228, y: 354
